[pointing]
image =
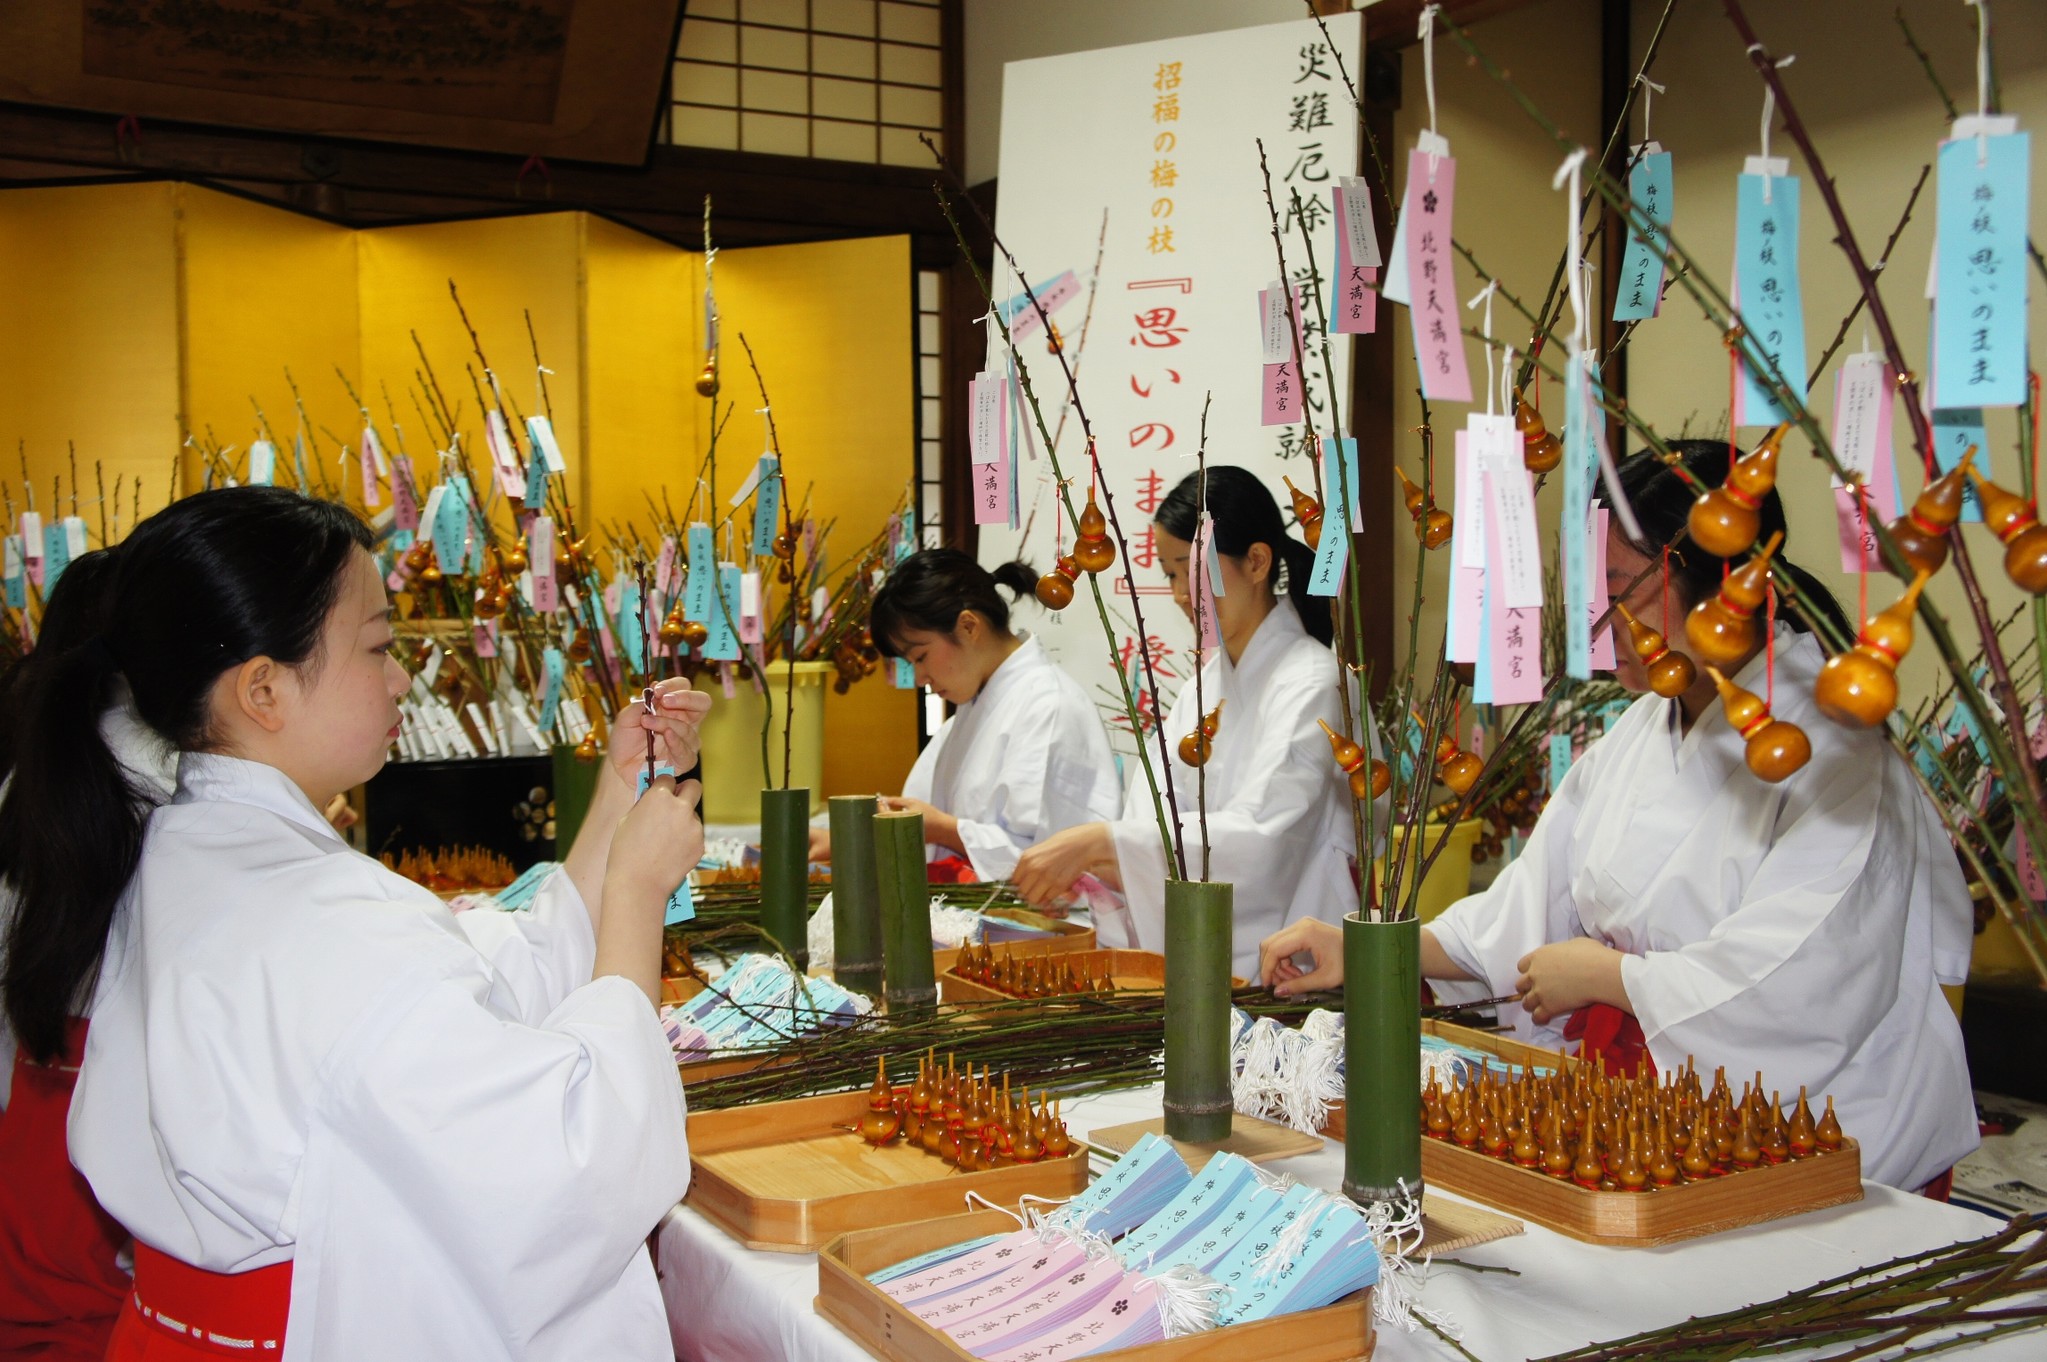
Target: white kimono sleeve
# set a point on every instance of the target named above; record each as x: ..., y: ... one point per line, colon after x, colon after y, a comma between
x: 543, y: 952
x: 1034, y: 791
x: 1820, y: 925
x: 480, y: 1189
x: 1488, y: 934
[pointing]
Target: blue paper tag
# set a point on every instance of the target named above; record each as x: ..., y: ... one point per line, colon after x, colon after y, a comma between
x: 767, y: 505
x: 298, y: 459
x: 1327, y: 577
x: 1641, y: 281
x: 723, y: 643
x: 903, y: 676
x: 630, y: 629
x: 519, y: 893
x: 1954, y: 430
x: 450, y: 530
x: 697, y: 595
x: 1482, y: 669
x: 56, y: 556
x: 17, y: 575
x: 1559, y: 759
x: 1766, y: 273
x: 681, y: 904
x: 1581, y: 455
x: 536, y: 478
x: 553, y: 666
x: 1979, y: 311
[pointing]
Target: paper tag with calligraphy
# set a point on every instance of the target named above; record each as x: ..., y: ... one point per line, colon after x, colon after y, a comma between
x: 540, y: 565
x: 16, y: 576
x: 698, y: 597
x: 1581, y: 457
x: 767, y: 505
x: 1353, y: 301
x: 1357, y: 233
x: 404, y: 497
x: 1467, y: 543
x: 1347, y: 476
x: 485, y: 638
x: 1513, y: 554
x: 1862, y: 442
x: 1275, y: 337
x: 263, y: 465
x: 1514, y: 649
x: 1326, y: 577
x: 56, y: 555
x: 503, y: 453
x: 750, y: 607
x: 1398, y: 284
x: 372, y: 497
x: 1639, y: 293
x: 1979, y: 315
x: 1279, y: 399
x: 540, y: 431
x: 553, y: 666
x: 1052, y: 295
x: 1602, y: 640
x: 1432, y: 309
x: 723, y: 644
x: 1559, y: 759
x: 1766, y: 287
x: 987, y: 433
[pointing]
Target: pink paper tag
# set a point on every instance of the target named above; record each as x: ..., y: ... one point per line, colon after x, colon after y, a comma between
x: 750, y: 629
x: 1516, y: 641
x: 2030, y: 879
x: 1468, y: 610
x: 1602, y: 640
x: 397, y: 581
x: 372, y: 498
x: 1431, y: 280
x: 1858, y: 542
x: 987, y: 406
x: 664, y: 568
x: 540, y: 562
x: 487, y: 639
x: 725, y: 680
x: 1052, y: 297
x: 1279, y: 401
x: 404, y: 501
x: 1477, y: 744
x: 1200, y: 592
x: 1356, y: 301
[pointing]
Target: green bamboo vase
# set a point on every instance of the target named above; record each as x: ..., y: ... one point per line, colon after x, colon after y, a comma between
x: 909, y: 987
x: 1382, y: 1040
x: 1199, y: 932
x: 574, y: 784
x: 856, y: 895
x: 785, y: 871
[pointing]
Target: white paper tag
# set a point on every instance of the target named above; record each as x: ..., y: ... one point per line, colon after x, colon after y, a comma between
x: 32, y: 535
x: 1855, y: 414
x: 1471, y: 505
x: 1776, y: 167
x: 749, y: 594
x: 262, y: 463
x: 74, y: 538
x: 1360, y: 232
x: 753, y: 480
x: 432, y: 668
x: 984, y: 435
x: 1278, y: 345
x: 1496, y: 451
x: 376, y: 451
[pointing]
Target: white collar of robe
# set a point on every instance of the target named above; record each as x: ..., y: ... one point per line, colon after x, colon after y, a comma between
x: 212, y: 776
x: 1273, y: 639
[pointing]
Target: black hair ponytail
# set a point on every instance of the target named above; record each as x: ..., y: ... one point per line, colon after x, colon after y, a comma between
x: 197, y: 589
x: 1662, y: 503
x: 929, y: 590
x: 1245, y: 514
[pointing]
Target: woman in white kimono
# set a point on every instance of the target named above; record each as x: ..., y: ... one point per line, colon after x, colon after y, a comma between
x: 339, y: 1122
x: 1023, y: 754
x: 1279, y: 810
x: 1801, y: 928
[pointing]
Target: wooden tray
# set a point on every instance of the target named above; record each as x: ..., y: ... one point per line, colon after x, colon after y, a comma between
x: 888, y: 1330
x: 1624, y: 1219
x: 787, y: 1176
x: 1067, y: 936
x: 1132, y: 971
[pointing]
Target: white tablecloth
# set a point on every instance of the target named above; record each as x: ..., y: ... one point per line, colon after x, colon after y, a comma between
x: 731, y: 1304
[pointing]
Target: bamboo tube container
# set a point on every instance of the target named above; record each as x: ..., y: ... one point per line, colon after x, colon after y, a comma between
x: 1198, y: 934
x: 856, y: 895
x: 905, y: 913
x: 785, y: 871
x: 1382, y: 972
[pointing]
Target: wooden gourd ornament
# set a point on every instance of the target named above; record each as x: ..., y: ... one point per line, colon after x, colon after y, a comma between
x: 1432, y: 523
x: 1456, y: 767
x: 1541, y: 451
x: 1307, y: 511
x: 1364, y: 784
x: 1773, y: 748
x: 1859, y: 686
x: 1723, y: 629
x: 1092, y: 549
x: 707, y: 379
x: 1196, y: 746
x: 1724, y: 520
x: 2019, y: 530
x: 1921, y: 533
x: 1055, y: 588
x: 1671, y: 673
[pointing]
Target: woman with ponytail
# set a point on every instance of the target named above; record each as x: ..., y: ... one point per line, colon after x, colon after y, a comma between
x: 1023, y: 754
x: 1670, y: 904
x: 1278, y: 809
x: 307, y: 1088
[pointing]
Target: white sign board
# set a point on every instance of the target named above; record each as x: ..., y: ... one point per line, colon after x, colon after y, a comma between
x: 1163, y: 138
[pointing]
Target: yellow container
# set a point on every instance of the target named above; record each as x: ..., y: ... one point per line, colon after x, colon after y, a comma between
x: 1450, y: 877
x: 732, y: 742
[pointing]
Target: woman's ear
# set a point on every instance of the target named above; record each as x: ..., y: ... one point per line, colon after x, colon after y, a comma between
x: 255, y: 688
x: 1258, y: 564
x: 968, y: 628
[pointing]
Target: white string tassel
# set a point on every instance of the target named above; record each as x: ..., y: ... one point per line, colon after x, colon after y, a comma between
x: 1395, y: 1228
x: 1485, y: 295
x: 1647, y: 85
x: 1289, y: 1243
x: 1572, y: 171
x: 1189, y: 1299
x: 1427, y: 35
x: 973, y: 1197
x: 1982, y: 8
x: 1769, y: 116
